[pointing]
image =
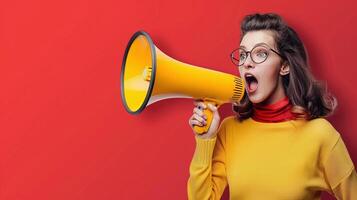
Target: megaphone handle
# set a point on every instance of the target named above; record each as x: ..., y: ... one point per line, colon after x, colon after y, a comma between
x: 209, y: 115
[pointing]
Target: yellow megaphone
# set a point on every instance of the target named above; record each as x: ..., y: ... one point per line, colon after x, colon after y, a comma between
x: 148, y: 75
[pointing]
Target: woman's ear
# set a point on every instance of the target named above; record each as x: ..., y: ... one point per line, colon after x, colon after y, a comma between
x: 284, y: 69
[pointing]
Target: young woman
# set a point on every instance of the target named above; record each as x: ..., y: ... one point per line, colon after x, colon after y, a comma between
x: 278, y: 146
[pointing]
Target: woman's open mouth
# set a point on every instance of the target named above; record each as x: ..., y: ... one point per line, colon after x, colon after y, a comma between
x: 252, y: 82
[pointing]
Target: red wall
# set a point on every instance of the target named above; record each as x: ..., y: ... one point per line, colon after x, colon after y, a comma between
x: 64, y: 131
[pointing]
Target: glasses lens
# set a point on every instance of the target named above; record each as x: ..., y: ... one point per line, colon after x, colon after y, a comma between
x: 238, y: 56
x: 260, y: 54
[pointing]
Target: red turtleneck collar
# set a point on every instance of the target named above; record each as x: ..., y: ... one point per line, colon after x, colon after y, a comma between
x: 276, y: 112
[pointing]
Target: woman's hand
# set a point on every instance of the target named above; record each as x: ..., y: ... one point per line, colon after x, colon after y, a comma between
x: 199, y: 119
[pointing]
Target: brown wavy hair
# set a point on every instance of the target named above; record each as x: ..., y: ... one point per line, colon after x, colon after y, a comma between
x: 309, y: 97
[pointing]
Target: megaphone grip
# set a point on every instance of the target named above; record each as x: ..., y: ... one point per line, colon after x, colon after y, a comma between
x: 209, y: 114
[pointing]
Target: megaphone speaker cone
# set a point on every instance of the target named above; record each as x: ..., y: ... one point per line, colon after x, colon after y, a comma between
x: 138, y: 72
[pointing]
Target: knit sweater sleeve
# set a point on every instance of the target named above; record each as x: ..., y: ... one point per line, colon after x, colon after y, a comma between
x: 347, y: 188
x: 207, y: 169
x: 340, y: 172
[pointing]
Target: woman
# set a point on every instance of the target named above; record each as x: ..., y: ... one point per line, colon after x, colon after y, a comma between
x: 278, y: 146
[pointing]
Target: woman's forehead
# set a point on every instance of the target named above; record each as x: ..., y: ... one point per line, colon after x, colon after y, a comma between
x: 252, y: 38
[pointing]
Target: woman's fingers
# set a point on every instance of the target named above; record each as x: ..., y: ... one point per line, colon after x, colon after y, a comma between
x: 200, y: 104
x: 198, y: 111
x: 195, y: 123
x: 199, y: 118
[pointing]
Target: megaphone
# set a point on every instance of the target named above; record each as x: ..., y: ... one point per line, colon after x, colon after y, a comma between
x: 148, y: 75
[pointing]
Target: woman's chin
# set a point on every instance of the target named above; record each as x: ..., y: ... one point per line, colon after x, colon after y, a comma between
x: 255, y: 98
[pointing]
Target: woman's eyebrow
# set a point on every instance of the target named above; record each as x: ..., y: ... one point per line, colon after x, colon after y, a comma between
x: 261, y: 43
x: 242, y: 46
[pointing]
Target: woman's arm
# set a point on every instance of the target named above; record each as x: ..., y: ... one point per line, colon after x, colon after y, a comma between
x: 207, y: 170
x: 347, y: 189
x: 340, y: 172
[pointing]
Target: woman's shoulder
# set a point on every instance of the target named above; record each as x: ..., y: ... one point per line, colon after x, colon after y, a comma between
x: 321, y: 128
x: 320, y: 122
x: 321, y: 125
x: 230, y: 120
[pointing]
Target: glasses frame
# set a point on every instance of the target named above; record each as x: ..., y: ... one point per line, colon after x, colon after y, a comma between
x: 249, y: 52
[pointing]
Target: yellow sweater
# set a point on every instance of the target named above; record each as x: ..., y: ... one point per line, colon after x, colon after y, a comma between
x: 290, y: 160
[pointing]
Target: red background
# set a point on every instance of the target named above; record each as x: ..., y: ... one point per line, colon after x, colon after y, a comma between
x: 64, y: 131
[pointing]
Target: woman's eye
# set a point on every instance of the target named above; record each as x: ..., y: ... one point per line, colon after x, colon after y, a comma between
x: 242, y: 56
x: 262, y: 54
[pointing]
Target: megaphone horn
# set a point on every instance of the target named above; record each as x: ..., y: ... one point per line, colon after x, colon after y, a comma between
x: 148, y: 75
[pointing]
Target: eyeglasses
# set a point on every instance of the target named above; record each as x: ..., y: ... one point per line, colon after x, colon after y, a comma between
x: 258, y: 55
